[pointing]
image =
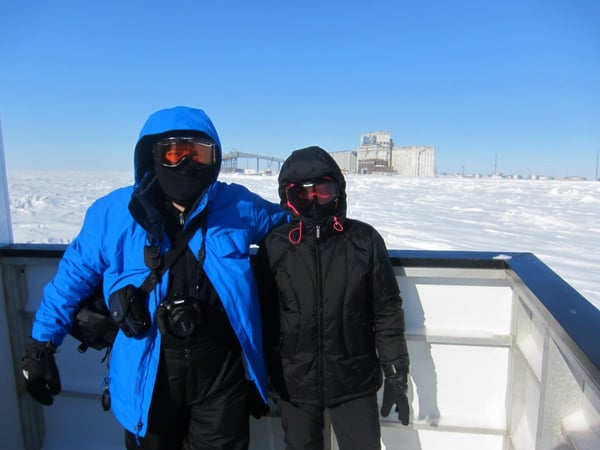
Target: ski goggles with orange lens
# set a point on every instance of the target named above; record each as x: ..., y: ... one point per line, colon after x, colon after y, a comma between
x: 303, y: 195
x: 170, y: 152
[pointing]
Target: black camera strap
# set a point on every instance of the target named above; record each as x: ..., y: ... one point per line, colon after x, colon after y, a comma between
x: 160, y: 266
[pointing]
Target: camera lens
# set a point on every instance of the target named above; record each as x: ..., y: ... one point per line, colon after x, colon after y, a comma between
x: 182, y: 321
x: 177, y: 316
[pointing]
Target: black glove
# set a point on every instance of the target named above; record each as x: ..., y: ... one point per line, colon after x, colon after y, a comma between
x: 40, y: 371
x: 129, y: 310
x: 256, y: 405
x: 394, y: 392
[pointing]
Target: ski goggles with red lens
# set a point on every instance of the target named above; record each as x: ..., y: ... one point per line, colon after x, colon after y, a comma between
x: 304, y: 194
x: 170, y: 152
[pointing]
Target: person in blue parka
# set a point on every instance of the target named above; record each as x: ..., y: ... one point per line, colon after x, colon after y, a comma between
x: 187, y: 359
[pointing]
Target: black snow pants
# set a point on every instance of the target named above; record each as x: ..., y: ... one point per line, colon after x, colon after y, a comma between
x: 199, y: 401
x: 355, y: 423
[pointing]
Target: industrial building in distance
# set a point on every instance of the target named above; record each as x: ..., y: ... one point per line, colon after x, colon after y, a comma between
x: 378, y: 154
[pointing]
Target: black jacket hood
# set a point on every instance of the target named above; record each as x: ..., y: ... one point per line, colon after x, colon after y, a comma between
x: 311, y: 163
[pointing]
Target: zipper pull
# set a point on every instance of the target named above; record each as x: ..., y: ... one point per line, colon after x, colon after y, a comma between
x: 181, y: 219
x: 318, y: 231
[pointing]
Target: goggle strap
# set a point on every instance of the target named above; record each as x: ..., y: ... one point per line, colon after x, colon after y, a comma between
x: 289, y: 204
x: 293, y: 208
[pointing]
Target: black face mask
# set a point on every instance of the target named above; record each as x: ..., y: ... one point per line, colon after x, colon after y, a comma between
x: 319, y: 212
x: 186, y: 182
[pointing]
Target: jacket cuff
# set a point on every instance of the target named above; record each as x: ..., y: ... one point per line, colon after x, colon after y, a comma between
x: 394, y: 370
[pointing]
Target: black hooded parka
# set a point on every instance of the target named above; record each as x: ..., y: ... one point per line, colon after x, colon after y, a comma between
x: 332, y: 312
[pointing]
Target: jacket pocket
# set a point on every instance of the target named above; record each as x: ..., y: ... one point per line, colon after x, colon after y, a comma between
x: 232, y: 243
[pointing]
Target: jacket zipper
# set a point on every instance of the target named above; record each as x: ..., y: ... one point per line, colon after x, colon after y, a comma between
x: 320, y: 319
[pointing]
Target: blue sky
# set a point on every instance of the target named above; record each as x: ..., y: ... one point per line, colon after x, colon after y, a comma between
x: 512, y: 82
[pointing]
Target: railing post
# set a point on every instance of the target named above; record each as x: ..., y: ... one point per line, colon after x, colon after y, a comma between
x: 6, y: 236
x: 10, y: 420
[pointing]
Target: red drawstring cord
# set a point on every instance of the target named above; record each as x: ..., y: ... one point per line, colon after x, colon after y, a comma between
x: 299, y: 230
x: 337, y: 225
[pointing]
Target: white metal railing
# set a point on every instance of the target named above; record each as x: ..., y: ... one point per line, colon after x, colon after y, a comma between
x: 503, y: 356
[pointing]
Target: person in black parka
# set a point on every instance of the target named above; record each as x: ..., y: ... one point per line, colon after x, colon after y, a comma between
x: 332, y: 313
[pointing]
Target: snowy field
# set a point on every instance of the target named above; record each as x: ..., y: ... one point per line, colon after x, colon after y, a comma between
x: 558, y: 221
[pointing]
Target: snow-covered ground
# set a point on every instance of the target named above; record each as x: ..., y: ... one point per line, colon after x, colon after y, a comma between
x: 558, y: 221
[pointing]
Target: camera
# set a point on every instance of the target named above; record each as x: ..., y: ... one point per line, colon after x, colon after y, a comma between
x: 178, y: 316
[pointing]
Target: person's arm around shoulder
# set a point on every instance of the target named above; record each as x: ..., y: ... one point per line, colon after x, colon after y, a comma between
x: 268, y: 216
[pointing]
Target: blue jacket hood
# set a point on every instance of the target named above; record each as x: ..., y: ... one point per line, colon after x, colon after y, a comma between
x: 167, y: 122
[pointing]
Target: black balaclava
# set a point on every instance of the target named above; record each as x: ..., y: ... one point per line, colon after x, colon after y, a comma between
x: 186, y: 182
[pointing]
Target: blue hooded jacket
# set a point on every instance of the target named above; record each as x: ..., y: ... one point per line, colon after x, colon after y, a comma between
x: 110, y: 249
